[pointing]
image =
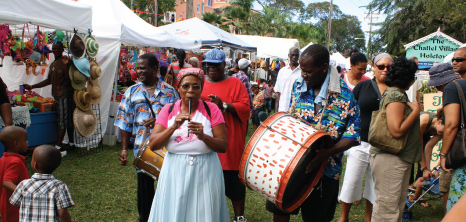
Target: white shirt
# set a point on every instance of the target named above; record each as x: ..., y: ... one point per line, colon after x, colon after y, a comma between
x: 261, y: 73
x: 286, y: 78
x: 412, y: 91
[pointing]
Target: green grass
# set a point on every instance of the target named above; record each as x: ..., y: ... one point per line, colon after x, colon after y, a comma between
x: 105, y: 191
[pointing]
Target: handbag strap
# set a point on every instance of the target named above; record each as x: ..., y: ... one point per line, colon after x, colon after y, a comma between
x: 462, y: 104
x: 376, y: 88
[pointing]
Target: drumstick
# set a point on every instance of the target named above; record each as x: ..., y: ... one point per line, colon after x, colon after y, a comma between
x: 189, y: 109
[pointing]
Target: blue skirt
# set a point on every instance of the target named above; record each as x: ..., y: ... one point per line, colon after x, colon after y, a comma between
x: 190, y: 192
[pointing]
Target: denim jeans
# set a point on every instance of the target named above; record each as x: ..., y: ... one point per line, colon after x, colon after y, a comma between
x: 268, y: 104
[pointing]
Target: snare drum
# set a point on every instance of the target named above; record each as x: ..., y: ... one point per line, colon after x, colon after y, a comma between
x: 148, y: 161
x: 275, y: 160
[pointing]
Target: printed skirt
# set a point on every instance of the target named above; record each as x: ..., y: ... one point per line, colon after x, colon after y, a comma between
x: 457, y: 187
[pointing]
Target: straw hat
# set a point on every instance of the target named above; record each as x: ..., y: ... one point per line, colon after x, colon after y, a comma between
x: 77, y: 46
x: 82, y: 99
x: 94, y: 90
x: 85, y: 122
x: 92, y: 47
x: 78, y: 80
x: 83, y: 65
x: 95, y: 70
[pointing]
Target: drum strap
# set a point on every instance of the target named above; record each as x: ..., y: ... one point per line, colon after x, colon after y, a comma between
x: 149, y: 104
x: 207, y: 109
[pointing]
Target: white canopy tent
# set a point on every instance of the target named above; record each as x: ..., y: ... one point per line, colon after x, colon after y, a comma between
x: 58, y: 14
x: 338, y: 60
x: 210, y: 35
x: 305, y: 47
x: 112, y: 23
x: 270, y: 47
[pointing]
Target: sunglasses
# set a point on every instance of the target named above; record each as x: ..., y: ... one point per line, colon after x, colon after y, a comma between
x: 382, y: 67
x: 458, y: 59
x: 194, y: 87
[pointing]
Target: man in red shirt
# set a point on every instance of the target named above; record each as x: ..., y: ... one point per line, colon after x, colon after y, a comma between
x: 230, y: 95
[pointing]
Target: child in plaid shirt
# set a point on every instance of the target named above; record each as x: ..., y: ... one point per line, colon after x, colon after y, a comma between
x: 12, y: 169
x: 43, y: 198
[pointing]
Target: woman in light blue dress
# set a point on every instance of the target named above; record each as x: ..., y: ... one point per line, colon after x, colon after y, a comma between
x: 191, y: 185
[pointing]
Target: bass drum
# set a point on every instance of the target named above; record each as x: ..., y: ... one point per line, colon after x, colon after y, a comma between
x: 275, y: 159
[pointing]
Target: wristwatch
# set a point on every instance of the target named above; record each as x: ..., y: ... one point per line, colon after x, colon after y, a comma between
x: 441, y: 154
x: 225, y: 106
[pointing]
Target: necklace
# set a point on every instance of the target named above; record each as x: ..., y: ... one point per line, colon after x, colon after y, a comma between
x: 152, y: 87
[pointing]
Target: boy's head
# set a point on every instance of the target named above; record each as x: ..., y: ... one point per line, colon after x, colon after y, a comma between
x: 45, y: 159
x: 15, y: 139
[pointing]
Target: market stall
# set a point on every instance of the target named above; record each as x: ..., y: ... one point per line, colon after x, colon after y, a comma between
x: 18, y: 66
x: 110, y: 21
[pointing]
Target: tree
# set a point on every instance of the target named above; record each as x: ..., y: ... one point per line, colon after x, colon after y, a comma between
x: 410, y: 20
x: 238, y: 14
x: 215, y: 19
x: 319, y: 12
x: 292, y: 7
x: 346, y: 34
x: 346, y: 29
x: 148, y: 6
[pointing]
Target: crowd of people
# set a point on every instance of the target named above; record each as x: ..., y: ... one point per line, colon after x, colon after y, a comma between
x: 200, y: 112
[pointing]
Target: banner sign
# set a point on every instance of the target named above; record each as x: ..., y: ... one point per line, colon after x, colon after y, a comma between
x: 432, y: 50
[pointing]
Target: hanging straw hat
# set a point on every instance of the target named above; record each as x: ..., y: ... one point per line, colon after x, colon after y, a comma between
x: 83, y: 65
x: 85, y: 122
x: 78, y: 80
x: 94, y: 90
x: 95, y: 70
x: 92, y: 47
x: 77, y: 46
x: 82, y: 99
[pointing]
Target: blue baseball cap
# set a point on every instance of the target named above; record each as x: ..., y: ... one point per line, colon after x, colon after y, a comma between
x: 214, y: 56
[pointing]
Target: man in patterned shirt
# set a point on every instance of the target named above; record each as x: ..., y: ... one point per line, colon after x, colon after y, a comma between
x: 136, y: 117
x: 43, y: 198
x: 243, y: 66
x: 321, y: 98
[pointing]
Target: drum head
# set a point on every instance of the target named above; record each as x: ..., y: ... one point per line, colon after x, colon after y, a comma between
x: 300, y: 184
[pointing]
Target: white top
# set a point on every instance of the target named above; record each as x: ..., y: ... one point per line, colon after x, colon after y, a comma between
x: 411, y: 92
x: 179, y: 142
x: 286, y: 78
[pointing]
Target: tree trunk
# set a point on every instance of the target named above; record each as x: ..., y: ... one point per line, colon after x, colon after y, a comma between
x: 156, y: 9
x: 189, y: 9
